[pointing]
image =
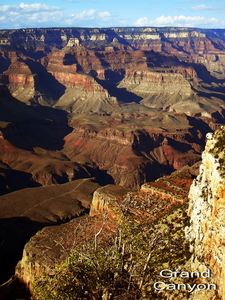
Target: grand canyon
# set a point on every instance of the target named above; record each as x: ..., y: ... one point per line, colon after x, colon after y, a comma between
x: 97, y: 123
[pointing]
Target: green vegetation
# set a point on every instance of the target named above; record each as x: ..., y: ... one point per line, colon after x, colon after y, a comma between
x: 125, y: 267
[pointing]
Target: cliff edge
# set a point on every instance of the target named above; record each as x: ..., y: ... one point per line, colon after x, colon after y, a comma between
x: 207, y: 211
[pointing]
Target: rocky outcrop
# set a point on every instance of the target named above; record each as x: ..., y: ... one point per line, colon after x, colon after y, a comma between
x: 206, y: 211
x: 107, y: 200
x: 84, y: 95
x: 108, y: 206
x: 20, y: 80
x: 52, y: 245
x: 169, y: 85
x: 155, y: 199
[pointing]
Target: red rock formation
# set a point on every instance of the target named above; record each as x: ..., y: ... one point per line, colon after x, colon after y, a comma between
x: 20, y: 81
x: 129, y: 157
x: 137, y: 113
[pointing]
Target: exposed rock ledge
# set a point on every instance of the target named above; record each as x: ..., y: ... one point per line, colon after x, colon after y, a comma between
x: 52, y: 244
x: 206, y: 233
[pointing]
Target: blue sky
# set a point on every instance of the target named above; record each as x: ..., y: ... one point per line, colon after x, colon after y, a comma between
x: 103, y: 13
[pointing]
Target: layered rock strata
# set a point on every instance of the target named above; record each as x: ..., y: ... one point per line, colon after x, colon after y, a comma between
x: 121, y: 148
x: 83, y: 70
x: 146, y: 84
x: 129, y: 157
x: 206, y: 211
x: 20, y: 80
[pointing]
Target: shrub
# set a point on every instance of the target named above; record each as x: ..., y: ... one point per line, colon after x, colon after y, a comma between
x: 125, y: 269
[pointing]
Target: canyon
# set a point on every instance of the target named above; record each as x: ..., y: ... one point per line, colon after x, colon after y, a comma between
x: 150, y: 93
x: 123, y: 112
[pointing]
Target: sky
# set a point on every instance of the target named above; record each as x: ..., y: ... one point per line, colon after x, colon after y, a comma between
x: 114, y: 13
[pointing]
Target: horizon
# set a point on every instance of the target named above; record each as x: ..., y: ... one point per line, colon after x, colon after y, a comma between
x: 109, y: 27
x: 201, y: 14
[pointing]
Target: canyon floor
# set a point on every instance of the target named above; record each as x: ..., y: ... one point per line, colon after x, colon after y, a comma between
x: 82, y: 109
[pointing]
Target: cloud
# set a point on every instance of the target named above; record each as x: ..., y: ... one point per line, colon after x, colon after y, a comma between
x: 28, y: 14
x: 81, y: 1
x: 208, y: 7
x: 27, y: 8
x: 86, y: 14
x: 38, y: 7
x: 192, y: 1
x: 37, y: 15
x: 105, y: 16
x: 181, y: 20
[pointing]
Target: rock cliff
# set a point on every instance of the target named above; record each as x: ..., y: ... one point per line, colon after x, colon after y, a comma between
x: 109, y: 204
x: 146, y: 84
x: 206, y: 211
